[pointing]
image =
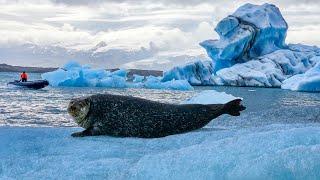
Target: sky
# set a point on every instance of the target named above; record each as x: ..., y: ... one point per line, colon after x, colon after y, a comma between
x: 173, y: 27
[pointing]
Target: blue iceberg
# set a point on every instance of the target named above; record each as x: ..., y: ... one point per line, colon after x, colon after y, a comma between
x: 251, y: 51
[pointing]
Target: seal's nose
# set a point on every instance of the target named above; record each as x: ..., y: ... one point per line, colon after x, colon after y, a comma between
x: 71, y: 107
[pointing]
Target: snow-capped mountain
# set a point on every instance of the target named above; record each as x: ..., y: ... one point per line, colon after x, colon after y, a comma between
x: 54, y: 55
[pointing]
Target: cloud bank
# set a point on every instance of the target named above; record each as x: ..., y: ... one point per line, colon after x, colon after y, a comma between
x: 173, y: 27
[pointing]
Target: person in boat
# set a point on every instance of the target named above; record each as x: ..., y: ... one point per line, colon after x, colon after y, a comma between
x: 24, y: 76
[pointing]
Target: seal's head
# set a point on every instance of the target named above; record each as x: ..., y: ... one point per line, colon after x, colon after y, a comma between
x: 79, y: 109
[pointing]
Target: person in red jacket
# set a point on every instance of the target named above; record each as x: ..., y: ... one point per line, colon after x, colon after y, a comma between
x: 24, y: 77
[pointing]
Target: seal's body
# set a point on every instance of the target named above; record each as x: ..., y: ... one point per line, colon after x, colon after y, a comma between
x: 126, y: 116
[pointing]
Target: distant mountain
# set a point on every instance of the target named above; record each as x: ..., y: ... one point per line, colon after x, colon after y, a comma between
x: 9, y: 68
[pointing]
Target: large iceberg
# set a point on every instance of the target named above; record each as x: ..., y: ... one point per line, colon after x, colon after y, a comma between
x: 75, y: 75
x: 251, y: 51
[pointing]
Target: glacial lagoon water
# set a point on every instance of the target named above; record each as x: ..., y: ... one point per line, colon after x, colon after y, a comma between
x: 278, y: 136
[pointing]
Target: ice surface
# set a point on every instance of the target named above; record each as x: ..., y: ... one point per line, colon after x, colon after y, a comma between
x: 75, y: 75
x: 309, y: 81
x: 270, y: 152
x: 210, y: 97
x: 251, y: 31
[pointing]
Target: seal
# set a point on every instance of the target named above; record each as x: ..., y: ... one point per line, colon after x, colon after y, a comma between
x: 127, y: 116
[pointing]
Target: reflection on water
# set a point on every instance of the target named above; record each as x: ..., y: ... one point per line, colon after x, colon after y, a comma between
x: 47, y: 107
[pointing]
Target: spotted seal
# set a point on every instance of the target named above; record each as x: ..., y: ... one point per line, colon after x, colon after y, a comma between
x: 127, y: 116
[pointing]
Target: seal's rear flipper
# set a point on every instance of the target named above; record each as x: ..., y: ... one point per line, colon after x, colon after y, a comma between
x: 87, y: 132
x: 234, y: 107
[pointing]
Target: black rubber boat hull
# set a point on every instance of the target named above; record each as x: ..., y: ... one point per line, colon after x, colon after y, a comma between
x: 38, y: 84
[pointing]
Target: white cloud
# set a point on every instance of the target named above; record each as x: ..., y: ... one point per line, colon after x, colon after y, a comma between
x: 174, y: 27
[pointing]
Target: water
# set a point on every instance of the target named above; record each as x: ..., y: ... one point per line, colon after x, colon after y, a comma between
x: 47, y: 107
x: 276, y: 137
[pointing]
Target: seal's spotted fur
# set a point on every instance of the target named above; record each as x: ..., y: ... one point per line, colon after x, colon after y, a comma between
x: 126, y: 116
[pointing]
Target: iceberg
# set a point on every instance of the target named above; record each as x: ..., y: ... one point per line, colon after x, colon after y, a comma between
x: 210, y: 97
x: 251, y: 51
x: 75, y: 75
x: 309, y: 81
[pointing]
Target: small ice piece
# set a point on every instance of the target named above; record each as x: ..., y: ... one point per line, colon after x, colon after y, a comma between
x: 210, y: 97
x: 153, y: 82
x: 196, y: 73
x: 137, y: 78
x: 120, y: 72
x: 309, y: 81
x: 113, y: 82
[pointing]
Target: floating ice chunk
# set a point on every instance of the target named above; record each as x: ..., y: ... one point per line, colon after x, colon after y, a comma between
x: 309, y: 81
x: 153, y: 82
x: 197, y: 73
x: 55, y: 77
x: 112, y: 82
x: 210, y: 97
x: 138, y: 78
x: 75, y: 75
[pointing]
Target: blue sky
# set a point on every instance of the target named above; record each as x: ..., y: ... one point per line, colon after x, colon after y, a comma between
x: 174, y: 27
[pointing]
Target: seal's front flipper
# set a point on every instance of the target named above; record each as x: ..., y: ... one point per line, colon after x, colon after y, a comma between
x: 87, y: 132
x: 234, y: 107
